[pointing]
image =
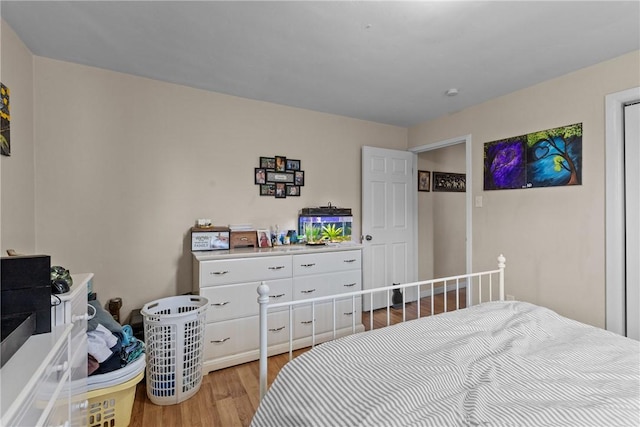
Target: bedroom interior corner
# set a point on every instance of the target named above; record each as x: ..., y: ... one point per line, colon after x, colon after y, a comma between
x: 87, y: 153
x: 116, y: 162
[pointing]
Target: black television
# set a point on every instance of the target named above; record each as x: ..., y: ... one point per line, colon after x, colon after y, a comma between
x: 25, y: 300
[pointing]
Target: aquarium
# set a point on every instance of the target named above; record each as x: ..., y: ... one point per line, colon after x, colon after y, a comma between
x: 334, y: 228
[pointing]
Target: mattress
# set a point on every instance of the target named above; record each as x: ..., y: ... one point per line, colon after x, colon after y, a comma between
x: 494, y: 364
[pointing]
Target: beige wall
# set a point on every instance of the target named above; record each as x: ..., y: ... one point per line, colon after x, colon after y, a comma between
x: 124, y: 166
x: 553, y: 238
x: 442, y: 218
x: 113, y: 170
x: 17, y: 175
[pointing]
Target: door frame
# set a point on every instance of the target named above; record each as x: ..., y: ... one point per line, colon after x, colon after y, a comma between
x: 615, y: 306
x: 466, y: 140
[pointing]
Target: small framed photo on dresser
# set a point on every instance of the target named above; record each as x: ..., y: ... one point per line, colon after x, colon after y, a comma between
x: 264, y: 238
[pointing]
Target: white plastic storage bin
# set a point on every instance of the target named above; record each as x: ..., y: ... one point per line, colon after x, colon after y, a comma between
x: 174, y: 335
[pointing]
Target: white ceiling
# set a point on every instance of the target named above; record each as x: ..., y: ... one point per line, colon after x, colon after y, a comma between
x: 384, y: 61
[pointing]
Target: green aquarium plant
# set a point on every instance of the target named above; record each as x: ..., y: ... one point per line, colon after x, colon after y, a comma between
x: 332, y: 232
x: 311, y: 233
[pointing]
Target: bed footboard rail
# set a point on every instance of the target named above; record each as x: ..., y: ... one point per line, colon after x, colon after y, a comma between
x: 474, y: 295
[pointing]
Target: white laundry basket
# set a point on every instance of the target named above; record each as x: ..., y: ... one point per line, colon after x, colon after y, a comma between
x: 174, y: 335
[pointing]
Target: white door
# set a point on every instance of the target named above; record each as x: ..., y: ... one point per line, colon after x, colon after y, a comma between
x: 389, y: 223
x: 632, y: 217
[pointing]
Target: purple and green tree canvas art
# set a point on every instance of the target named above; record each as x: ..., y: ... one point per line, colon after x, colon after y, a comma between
x: 548, y: 158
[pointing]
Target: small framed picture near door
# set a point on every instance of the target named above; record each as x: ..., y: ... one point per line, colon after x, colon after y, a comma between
x: 424, y: 181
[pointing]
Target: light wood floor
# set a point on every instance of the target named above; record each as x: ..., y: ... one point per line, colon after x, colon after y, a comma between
x: 229, y: 397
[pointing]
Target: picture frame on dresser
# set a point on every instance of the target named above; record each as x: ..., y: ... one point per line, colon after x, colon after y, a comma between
x: 264, y: 238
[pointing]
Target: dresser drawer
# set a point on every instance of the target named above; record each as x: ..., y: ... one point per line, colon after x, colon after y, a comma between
x: 233, y: 301
x: 325, y: 262
x: 78, y: 385
x: 303, y: 319
x: 241, y: 270
x: 59, y: 414
x: 45, y: 388
x: 79, y: 316
x: 240, y: 335
x: 326, y: 284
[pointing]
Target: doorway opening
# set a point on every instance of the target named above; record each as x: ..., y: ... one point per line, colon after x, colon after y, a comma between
x: 466, y: 140
x: 615, y: 231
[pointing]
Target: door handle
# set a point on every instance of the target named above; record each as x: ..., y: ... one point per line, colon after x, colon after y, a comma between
x: 368, y: 237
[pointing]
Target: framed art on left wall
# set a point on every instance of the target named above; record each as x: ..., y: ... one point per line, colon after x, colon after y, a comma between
x: 5, y: 121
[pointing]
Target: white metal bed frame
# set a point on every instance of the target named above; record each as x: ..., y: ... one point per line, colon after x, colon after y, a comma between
x: 460, y: 281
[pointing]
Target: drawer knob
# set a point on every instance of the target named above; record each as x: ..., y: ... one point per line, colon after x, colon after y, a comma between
x: 220, y: 304
x: 79, y: 317
x: 308, y: 265
x: 220, y: 341
x: 219, y: 273
x: 306, y: 322
x: 244, y: 239
x: 348, y: 314
x: 277, y: 267
x: 81, y: 405
x: 349, y: 285
x: 349, y: 260
x: 276, y: 329
x: 62, y: 367
x: 308, y: 291
x: 276, y: 296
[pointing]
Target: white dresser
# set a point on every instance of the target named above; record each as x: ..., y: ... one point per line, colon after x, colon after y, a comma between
x: 44, y: 383
x: 229, y: 280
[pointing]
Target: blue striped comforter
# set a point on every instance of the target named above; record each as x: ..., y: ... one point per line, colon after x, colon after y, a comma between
x: 495, y: 364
